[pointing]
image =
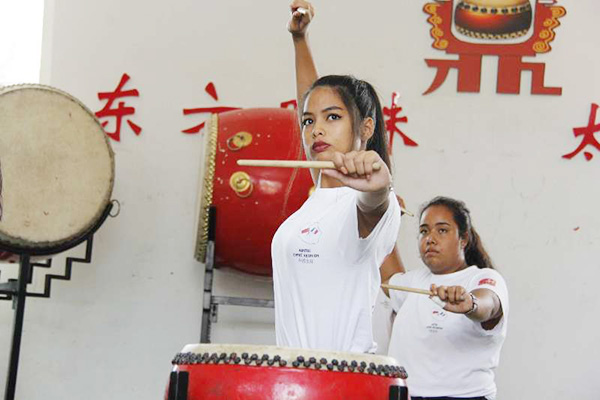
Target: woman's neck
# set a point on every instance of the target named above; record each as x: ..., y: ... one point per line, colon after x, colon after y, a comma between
x: 450, y: 270
x: 327, y: 182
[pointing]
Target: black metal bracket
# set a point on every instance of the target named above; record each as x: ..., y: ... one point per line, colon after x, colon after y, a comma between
x: 9, y: 289
x: 16, y: 290
x: 398, y: 393
x: 178, y: 385
x: 210, y: 306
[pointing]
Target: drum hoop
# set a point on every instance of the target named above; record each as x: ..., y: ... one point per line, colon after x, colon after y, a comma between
x: 207, y: 189
x: 287, y: 353
x: 63, y: 246
x: 271, y: 356
x: 42, y: 249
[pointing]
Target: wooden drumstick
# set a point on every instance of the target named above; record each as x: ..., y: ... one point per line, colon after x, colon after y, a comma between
x: 304, y: 164
x: 294, y: 164
x: 433, y: 298
x: 406, y: 289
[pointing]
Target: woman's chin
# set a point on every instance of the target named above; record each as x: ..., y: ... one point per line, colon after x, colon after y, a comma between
x: 322, y: 156
x: 433, y: 266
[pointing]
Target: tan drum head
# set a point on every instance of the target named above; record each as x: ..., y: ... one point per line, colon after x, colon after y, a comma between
x: 56, y: 164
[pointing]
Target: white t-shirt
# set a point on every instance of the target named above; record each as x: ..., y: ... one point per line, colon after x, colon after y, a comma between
x: 383, y: 319
x: 326, y: 277
x: 444, y: 353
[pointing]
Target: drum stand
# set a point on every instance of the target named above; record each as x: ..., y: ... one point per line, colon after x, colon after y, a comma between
x: 210, y: 307
x: 16, y: 290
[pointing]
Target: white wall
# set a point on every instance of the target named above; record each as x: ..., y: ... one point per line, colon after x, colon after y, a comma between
x: 112, y: 330
x: 20, y: 40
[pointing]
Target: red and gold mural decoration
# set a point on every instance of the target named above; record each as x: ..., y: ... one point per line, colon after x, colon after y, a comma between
x: 493, y: 28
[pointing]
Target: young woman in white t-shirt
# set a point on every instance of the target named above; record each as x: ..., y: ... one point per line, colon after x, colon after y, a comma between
x: 327, y: 256
x: 450, y: 352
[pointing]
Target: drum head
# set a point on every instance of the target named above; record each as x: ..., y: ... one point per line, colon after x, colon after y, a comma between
x: 56, y: 167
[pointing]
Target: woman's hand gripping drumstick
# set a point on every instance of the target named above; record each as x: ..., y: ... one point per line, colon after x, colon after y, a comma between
x: 376, y: 166
x: 355, y: 169
x: 432, y: 295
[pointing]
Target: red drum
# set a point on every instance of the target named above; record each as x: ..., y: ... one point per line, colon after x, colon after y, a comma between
x: 243, y: 372
x: 250, y: 202
x: 493, y: 19
x: 56, y: 170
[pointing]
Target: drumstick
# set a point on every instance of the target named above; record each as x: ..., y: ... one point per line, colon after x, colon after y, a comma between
x: 304, y: 164
x: 435, y: 299
x: 294, y: 164
x: 406, y: 289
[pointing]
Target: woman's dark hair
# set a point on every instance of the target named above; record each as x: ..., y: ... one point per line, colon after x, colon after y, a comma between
x: 475, y: 254
x: 362, y: 101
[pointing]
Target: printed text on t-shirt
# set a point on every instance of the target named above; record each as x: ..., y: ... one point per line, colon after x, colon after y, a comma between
x: 305, y: 256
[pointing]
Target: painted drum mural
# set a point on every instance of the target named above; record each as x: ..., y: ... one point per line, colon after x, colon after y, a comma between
x: 493, y: 19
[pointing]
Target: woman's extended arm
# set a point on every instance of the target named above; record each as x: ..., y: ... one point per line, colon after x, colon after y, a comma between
x: 480, y: 305
x: 306, y: 72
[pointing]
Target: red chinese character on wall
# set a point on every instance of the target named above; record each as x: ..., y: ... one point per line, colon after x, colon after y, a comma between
x: 392, y: 121
x: 587, y: 133
x: 486, y: 30
x: 211, y: 90
x: 291, y: 104
x: 120, y: 111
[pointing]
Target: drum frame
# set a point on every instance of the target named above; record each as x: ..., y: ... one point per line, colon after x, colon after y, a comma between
x: 210, y: 303
x: 16, y: 290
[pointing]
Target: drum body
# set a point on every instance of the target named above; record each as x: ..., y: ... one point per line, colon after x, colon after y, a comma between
x: 244, y: 372
x: 56, y: 170
x: 493, y: 19
x: 250, y: 202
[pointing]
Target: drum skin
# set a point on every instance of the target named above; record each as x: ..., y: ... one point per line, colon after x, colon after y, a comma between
x: 56, y: 170
x: 250, y: 202
x: 493, y: 20
x: 223, y: 379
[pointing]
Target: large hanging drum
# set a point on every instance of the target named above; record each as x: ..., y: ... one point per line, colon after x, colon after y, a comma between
x: 493, y: 19
x: 244, y: 372
x: 250, y: 202
x: 56, y: 170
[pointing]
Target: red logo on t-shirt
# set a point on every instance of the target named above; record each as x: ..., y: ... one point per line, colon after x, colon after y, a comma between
x: 487, y: 281
x: 311, y: 234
